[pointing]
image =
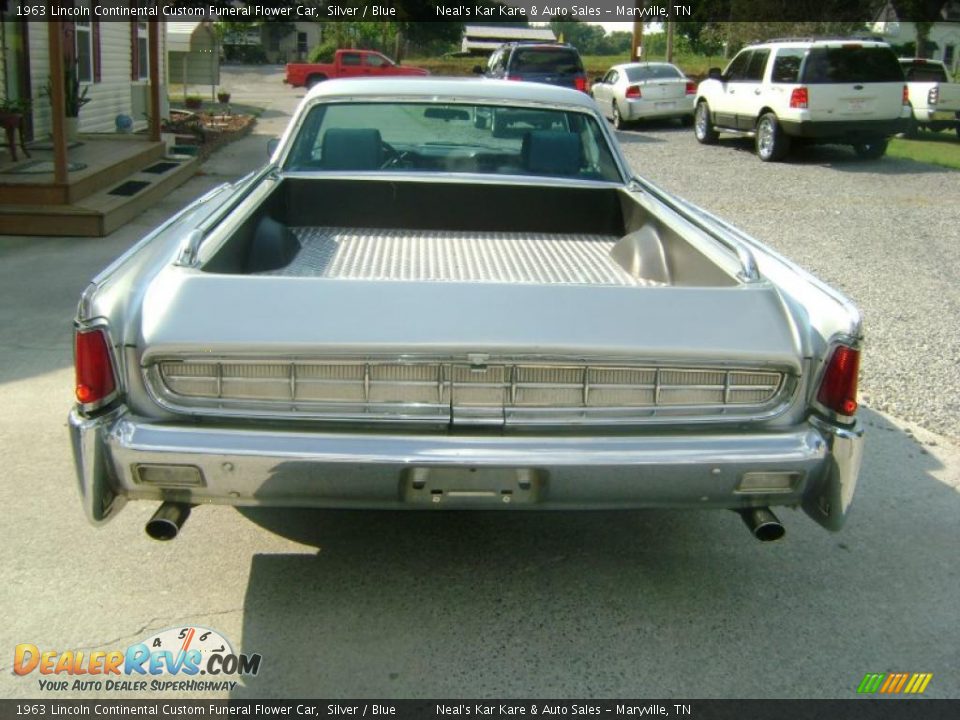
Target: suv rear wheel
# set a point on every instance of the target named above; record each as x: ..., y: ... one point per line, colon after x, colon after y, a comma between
x: 702, y: 127
x: 771, y: 142
x: 871, y: 150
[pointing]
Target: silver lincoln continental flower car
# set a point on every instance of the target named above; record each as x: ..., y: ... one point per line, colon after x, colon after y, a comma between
x: 407, y: 308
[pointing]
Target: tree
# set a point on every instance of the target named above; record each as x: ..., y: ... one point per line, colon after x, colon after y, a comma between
x: 923, y: 13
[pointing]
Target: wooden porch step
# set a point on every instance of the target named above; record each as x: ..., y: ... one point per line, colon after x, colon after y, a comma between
x: 126, y: 157
x: 98, y: 214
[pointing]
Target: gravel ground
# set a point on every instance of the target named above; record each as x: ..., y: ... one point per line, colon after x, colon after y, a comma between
x: 884, y: 232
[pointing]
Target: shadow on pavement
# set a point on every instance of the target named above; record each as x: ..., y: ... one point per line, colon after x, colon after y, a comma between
x: 839, y: 157
x: 608, y: 604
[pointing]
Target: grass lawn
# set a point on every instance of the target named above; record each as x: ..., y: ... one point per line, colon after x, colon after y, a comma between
x: 938, y: 148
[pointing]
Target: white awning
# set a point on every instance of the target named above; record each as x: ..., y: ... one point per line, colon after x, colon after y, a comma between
x: 179, y: 35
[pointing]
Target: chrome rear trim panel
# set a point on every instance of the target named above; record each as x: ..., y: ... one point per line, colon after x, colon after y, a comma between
x: 473, y: 392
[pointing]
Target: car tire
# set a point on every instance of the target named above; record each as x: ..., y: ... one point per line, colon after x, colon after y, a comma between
x: 772, y: 143
x: 702, y: 127
x: 872, y: 150
x: 314, y: 80
x: 618, y: 122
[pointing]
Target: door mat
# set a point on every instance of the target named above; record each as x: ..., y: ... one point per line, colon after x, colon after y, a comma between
x: 42, y: 167
x: 131, y: 187
x: 161, y: 168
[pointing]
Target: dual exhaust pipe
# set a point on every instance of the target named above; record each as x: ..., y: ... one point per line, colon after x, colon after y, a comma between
x: 762, y: 524
x: 167, y: 520
x: 170, y: 516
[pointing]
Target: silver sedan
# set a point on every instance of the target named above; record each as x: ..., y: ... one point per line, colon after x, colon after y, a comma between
x: 639, y: 91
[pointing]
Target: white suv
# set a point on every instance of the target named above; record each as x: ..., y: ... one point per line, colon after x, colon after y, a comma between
x: 803, y: 90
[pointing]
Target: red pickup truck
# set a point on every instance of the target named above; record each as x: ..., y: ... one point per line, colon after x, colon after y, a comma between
x: 347, y: 63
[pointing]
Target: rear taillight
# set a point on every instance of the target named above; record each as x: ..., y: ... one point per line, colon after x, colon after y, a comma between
x: 633, y: 92
x: 838, y: 387
x: 691, y: 88
x: 933, y: 95
x: 799, y: 98
x: 94, y: 369
x: 580, y: 82
x: 906, y: 95
x: 512, y: 77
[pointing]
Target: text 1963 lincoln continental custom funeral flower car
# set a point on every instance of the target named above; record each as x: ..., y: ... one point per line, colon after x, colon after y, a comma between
x: 454, y: 294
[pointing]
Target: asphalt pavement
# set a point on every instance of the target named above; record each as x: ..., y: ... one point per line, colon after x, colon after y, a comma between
x: 655, y: 604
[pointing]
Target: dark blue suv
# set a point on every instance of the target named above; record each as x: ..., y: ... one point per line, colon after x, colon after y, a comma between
x: 551, y: 63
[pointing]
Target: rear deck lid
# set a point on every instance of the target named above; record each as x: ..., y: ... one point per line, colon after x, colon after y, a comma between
x: 658, y: 82
x: 189, y: 312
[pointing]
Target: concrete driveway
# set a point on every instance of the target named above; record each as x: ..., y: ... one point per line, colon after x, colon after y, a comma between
x: 658, y: 604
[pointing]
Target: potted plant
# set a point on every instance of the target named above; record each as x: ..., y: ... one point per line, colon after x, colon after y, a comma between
x: 223, y: 97
x: 74, y: 97
x: 193, y: 102
x: 10, y: 108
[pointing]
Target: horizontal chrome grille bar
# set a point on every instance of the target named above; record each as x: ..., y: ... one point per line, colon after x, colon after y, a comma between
x: 436, y: 390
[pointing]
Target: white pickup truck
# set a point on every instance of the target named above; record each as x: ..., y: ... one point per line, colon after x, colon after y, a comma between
x: 934, y: 99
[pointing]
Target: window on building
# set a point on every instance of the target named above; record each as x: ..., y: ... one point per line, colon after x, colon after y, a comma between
x: 949, y: 52
x: 83, y: 39
x: 143, y: 52
x: 301, y: 42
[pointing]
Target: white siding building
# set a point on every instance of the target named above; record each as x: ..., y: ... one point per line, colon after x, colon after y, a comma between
x: 112, y: 64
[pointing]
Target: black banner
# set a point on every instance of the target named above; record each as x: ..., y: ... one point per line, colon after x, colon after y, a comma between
x: 491, y: 11
x: 854, y: 709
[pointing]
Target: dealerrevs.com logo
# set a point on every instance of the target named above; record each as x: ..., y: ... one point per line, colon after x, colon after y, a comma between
x: 190, y: 659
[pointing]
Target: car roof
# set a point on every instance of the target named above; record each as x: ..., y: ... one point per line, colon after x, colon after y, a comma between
x: 441, y: 89
x: 626, y: 66
x: 921, y: 61
x: 519, y: 44
x: 822, y: 42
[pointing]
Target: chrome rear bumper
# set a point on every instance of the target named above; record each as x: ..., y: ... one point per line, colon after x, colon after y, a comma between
x: 300, y: 468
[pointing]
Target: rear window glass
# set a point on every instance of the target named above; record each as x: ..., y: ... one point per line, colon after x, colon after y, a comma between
x: 786, y: 66
x: 546, y: 60
x: 925, y: 73
x: 653, y: 72
x: 851, y: 64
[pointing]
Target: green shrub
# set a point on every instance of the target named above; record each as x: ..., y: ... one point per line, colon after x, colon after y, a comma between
x: 323, y: 53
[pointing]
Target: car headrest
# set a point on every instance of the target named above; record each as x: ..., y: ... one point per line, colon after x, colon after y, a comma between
x: 551, y: 152
x: 352, y: 149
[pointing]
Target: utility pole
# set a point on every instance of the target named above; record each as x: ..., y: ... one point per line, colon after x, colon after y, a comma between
x: 636, y: 46
x: 670, y: 29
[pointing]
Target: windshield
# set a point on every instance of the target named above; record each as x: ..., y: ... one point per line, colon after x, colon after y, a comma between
x: 653, y: 72
x: 546, y: 60
x: 851, y: 64
x: 923, y: 72
x: 434, y: 137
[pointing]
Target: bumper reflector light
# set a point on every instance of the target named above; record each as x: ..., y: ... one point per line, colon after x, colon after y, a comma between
x: 768, y: 482
x: 175, y: 476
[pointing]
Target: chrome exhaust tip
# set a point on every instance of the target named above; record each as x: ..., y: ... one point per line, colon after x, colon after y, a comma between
x: 763, y: 524
x: 167, y: 521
